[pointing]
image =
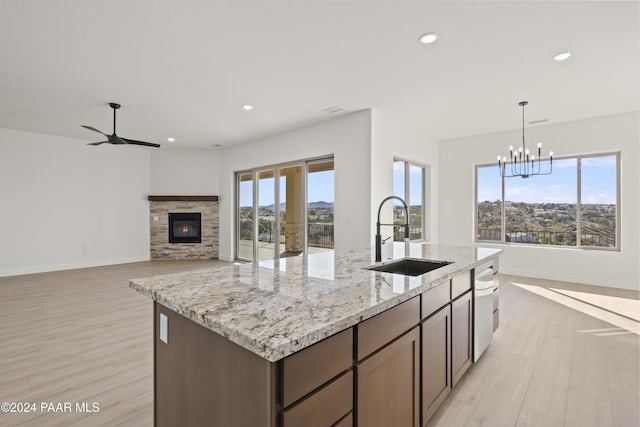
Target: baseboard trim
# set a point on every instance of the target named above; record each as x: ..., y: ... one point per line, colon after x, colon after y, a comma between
x: 69, y: 266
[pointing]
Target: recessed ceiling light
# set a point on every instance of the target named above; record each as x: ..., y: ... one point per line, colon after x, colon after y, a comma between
x: 171, y: 139
x: 247, y: 107
x: 428, y: 38
x: 562, y: 56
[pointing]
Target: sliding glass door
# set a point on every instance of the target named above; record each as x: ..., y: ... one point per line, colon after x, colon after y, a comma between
x: 244, y: 225
x: 320, y: 185
x: 276, y: 205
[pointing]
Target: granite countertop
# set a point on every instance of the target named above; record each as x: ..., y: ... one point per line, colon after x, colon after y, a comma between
x: 275, y: 308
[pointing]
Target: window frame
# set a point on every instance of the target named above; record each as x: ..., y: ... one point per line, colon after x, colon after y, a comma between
x: 407, y: 191
x: 578, y: 246
x: 255, y: 173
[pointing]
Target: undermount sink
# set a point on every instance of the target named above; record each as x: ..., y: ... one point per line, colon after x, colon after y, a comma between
x: 409, y: 266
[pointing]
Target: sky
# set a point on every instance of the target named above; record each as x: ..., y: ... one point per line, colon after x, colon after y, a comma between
x: 598, y: 183
x: 415, y: 181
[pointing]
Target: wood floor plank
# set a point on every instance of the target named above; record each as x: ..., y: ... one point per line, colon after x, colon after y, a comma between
x: 500, y: 406
x: 625, y: 409
x: 529, y: 418
x: 588, y: 411
x: 548, y: 390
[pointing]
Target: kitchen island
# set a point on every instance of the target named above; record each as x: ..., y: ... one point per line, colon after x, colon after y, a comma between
x: 311, y: 340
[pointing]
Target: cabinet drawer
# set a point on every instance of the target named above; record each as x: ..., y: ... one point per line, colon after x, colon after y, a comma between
x: 496, y: 298
x: 460, y: 284
x: 435, y: 298
x: 308, y: 369
x: 325, y: 407
x: 376, y: 332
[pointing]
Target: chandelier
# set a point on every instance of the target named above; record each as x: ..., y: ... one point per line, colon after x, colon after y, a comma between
x: 522, y: 163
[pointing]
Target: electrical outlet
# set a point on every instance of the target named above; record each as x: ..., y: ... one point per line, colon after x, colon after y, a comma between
x: 164, y: 328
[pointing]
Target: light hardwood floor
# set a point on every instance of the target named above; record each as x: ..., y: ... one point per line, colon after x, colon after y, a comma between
x: 564, y: 354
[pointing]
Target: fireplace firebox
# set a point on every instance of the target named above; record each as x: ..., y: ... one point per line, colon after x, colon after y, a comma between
x: 185, y: 227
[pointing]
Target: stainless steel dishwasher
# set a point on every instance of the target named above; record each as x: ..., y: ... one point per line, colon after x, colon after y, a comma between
x: 483, y: 309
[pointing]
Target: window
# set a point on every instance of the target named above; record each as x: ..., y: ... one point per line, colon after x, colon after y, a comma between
x: 576, y: 206
x: 320, y: 185
x: 409, y: 184
x: 285, y: 200
x: 245, y: 216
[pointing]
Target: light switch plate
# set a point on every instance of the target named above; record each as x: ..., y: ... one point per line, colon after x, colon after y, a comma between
x: 156, y: 218
x: 164, y: 328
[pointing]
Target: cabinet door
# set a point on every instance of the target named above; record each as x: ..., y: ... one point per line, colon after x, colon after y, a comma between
x: 461, y: 345
x: 388, y: 384
x: 436, y: 379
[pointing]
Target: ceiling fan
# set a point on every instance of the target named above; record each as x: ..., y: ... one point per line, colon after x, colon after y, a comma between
x: 115, y: 139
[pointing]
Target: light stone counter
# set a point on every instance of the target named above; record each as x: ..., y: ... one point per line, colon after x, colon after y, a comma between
x: 275, y: 308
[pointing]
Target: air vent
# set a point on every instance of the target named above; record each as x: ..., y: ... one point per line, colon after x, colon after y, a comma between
x: 332, y: 110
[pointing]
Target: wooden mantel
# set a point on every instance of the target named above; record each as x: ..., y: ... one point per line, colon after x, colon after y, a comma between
x: 183, y: 198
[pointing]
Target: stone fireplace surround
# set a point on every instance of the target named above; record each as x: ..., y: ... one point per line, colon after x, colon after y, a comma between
x: 159, y: 209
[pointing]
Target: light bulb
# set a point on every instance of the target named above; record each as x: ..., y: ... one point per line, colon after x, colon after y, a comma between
x: 550, y: 153
x: 511, y: 148
x: 526, y: 152
x: 539, y: 144
x: 499, y: 158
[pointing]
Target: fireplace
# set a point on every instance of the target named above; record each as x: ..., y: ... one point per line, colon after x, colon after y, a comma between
x: 184, y: 227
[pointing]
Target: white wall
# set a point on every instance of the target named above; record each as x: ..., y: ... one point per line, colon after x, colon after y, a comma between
x: 64, y: 204
x: 185, y: 173
x: 604, y: 134
x: 347, y: 138
x: 390, y: 139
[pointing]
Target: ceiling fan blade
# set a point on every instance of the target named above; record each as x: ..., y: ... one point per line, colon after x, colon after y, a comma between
x: 115, y: 139
x: 134, y: 142
x: 94, y: 129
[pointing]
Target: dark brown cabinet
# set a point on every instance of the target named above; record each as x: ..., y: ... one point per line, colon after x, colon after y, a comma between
x: 388, y: 384
x: 461, y: 336
x: 436, y: 361
x: 307, y: 379
x: 324, y: 407
x: 202, y: 378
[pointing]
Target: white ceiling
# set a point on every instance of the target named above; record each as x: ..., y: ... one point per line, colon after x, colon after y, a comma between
x: 183, y: 68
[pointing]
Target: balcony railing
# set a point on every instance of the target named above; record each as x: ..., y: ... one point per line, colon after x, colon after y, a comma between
x: 319, y: 234
x: 414, y: 233
x: 546, y: 237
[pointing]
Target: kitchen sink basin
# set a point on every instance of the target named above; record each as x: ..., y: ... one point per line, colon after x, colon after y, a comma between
x: 409, y: 266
